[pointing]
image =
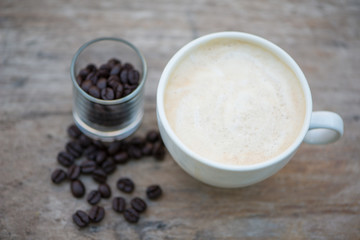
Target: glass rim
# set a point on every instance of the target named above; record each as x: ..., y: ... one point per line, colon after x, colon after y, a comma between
x: 115, y: 101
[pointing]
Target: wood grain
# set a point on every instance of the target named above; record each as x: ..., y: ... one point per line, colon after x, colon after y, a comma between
x: 316, y: 196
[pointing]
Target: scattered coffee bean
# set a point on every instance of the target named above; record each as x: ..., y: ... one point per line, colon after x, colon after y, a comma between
x: 101, y: 83
x: 74, y: 172
x: 100, y: 157
x: 134, y: 152
x: 121, y: 157
x: 74, y: 149
x: 65, y: 159
x: 114, y: 148
x: 152, y: 136
x: 77, y: 188
x: 90, y: 150
x: 137, y: 141
x: 73, y: 131
x: 96, y: 214
x: 158, y: 151
x: 105, y: 67
x: 94, y: 197
x: 99, y: 144
x: 84, y: 141
x: 88, y: 167
x: 93, y: 77
x: 108, y: 166
x: 125, y: 185
x: 80, y: 218
x: 147, y: 149
x: 131, y: 215
x: 118, y: 204
x: 104, y: 190
x: 58, y: 176
x: 153, y: 192
x: 99, y: 175
x: 138, y: 204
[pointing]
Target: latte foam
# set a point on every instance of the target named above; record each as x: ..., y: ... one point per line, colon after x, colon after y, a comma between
x: 234, y: 103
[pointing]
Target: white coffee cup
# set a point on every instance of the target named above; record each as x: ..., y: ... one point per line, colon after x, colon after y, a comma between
x: 319, y: 127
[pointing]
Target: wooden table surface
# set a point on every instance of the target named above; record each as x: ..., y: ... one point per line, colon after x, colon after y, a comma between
x: 316, y: 196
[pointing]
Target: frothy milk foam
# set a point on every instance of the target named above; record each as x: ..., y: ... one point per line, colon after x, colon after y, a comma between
x: 234, y: 103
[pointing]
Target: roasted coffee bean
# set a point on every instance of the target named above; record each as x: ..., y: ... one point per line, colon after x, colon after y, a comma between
x: 88, y: 167
x: 80, y: 218
x: 121, y: 157
x: 90, y: 150
x: 86, y: 85
x: 124, y: 76
x: 58, y: 175
x: 79, y: 80
x: 158, y: 151
x: 147, y: 149
x: 138, y: 204
x: 153, y: 192
x: 83, y: 73
x: 112, y: 62
x: 103, y: 74
x: 101, y: 83
x: 108, y: 166
x: 73, y: 131
x: 119, y: 91
x: 134, y: 152
x: 91, y: 67
x: 74, y: 172
x: 128, y: 66
x: 99, y: 144
x: 77, y: 188
x: 94, y: 197
x: 96, y: 214
x: 74, y: 149
x: 131, y: 215
x: 107, y: 94
x: 105, y: 67
x: 104, y: 190
x: 116, y: 70
x: 114, y: 148
x: 133, y: 77
x: 119, y: 204
x: 94, y: 91
x: 84, y: 141
x: 137, y: 141
x: 125, y: 184
x: 152, y: 136
x: 100, y: 157
x: 93, y: 77
x: 99, y: 175
x: 126, y: 92
x: 65, y: 159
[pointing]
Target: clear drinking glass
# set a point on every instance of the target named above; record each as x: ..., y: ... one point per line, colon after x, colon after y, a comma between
x: 108, y: 120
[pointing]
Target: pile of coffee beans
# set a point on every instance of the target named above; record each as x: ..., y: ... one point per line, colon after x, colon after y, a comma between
x: 100, y: 161
x: 112, y: 80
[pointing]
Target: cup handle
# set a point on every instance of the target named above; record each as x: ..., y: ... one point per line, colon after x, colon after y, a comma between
x: 325, y: 127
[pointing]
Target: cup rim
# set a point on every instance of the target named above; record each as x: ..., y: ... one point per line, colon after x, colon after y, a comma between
x: 266, y: 44
x: 115, y: 101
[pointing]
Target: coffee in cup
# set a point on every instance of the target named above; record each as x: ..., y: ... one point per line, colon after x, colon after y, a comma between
x: 234, y: 102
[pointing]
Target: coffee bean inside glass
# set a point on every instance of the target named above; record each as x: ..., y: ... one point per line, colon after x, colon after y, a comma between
x: 102, y: 110
x: 234, y: 102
